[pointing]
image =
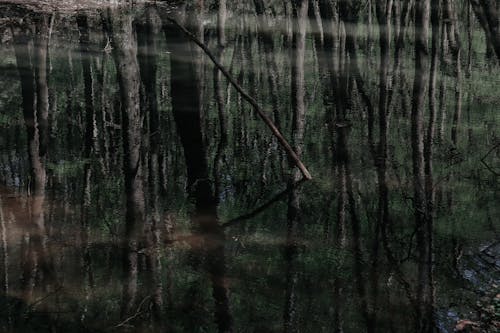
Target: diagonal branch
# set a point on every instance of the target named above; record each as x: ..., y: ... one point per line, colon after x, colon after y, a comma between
x: 276, y: 132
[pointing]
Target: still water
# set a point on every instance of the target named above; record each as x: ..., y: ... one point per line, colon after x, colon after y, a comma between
x: 141, y: 192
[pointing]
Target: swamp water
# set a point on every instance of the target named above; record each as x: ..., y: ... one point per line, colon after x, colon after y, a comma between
x: 139, y: 192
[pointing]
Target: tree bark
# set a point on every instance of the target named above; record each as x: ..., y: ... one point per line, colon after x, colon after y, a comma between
x: 127, y: 67
x: 424, y: 323
x: 147, y: 59
x: 205, y: 224
x: 299, y: 17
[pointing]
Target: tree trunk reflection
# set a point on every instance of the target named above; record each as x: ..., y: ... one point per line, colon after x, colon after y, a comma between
x: 127, y: 67
x: 208, y: 244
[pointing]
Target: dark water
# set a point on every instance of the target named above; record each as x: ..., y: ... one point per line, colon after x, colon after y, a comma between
x: 140, y: 192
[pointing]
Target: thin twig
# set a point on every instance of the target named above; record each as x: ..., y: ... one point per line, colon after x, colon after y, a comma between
x: 135, y: 315
x: 32, y: 305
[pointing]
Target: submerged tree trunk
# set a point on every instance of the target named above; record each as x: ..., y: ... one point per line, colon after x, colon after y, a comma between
x: 218, y: 91
x: 451, y: 22
x: 298, y: 77
x: 487, y: 13
x: 23, y: 48
x: 4, y: 279
x: 89, y: 140
x: 265, y: 36
x: 31, y: 47
x: 186, y: 108
x: 349, y: 13
x: 384, y: 17
x: 127, y: 67
x: 40, y: 62
x: 424, y: 318
x: 147, y: 32
x: 299, y: 8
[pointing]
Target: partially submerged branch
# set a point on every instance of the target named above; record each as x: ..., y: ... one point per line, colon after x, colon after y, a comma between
x: 276, y: 132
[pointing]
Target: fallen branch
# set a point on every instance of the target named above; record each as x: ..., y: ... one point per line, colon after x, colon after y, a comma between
x: 248, y: 98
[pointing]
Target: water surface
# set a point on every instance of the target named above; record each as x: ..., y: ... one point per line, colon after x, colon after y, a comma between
x: 140, y: 192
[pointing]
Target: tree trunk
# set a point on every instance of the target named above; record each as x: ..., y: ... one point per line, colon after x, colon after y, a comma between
x: 488, y: 15
x: 86, y: 59
x: 127, y: 67
x: 40, y: 59
x: 299, y: 17
x: 186, y: 108
x: 147, y: 59
x: 422, y: 19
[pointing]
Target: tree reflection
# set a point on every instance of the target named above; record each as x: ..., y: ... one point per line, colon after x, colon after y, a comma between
x: 208, y: 245
x: 118, y: 133
x: 31, y: 47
